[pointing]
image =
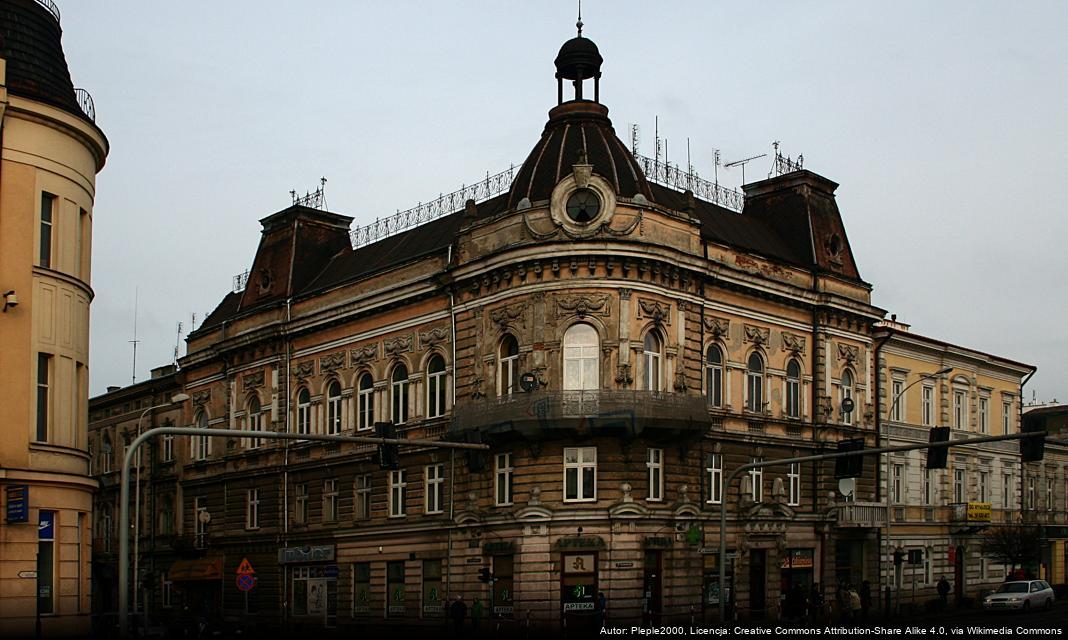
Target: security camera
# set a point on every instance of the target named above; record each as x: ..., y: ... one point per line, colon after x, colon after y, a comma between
x: 11, y: 299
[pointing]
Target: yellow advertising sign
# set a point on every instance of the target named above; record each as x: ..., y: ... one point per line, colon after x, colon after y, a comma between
x: 978, y: 512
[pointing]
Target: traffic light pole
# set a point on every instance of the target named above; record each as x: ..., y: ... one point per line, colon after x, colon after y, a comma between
x: 124, y: 488
x: 722, y: 559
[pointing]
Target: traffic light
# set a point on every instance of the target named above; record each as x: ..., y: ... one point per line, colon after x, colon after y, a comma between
x: 484, y: 575
x: 1032, y: 449
x: 939, y: 456
x: 388, y: 454
x: 849, y: 466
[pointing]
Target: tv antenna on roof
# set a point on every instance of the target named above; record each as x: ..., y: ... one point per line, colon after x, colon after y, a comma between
x: 741, y: 163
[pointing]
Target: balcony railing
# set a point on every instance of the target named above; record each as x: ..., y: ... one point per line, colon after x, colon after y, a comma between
x: 85, y: 103
x: 51, y: 7
x: 617, y: 412
x: 861, y: 514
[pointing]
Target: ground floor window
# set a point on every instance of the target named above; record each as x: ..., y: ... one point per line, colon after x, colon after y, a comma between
x: 433, y: 596
x: 578, y: 588
x: 503, y: 585
x: 361, y: 588
x: 315, y: 591
x: 395, y: 589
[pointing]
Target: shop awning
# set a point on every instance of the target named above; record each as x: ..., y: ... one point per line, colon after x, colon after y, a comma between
x: 198, y: 569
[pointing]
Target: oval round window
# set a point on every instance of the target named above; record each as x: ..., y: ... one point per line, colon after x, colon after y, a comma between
x: 583, y: 206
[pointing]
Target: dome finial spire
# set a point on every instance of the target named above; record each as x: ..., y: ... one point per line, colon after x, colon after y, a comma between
x: 579, y: 23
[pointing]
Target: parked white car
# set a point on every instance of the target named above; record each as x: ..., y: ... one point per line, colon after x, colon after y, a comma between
x: 1020, y: 595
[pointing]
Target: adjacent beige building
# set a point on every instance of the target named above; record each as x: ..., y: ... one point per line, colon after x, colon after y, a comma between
x: 52, y: 151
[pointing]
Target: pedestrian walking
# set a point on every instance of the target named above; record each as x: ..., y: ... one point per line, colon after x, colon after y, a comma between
x: 458, y: 611
x: 865, y: 598
x: 601, y: 607
x: 476, y: 615
x: 943, y: 591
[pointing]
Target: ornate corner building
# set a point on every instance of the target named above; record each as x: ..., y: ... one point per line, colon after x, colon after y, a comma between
x: 621, y: 345
x: 52, y: 151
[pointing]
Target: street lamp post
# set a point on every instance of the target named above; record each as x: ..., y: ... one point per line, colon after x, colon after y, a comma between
x: 175, y: 399
x: 891, y: 568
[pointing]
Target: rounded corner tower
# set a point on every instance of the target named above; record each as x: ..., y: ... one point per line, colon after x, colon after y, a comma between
x: 52, y: 152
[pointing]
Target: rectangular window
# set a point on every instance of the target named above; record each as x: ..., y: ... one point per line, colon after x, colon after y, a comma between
x: 47, y: 206
x: 395, y: 588
x: 960, y: 409
x: 399, y: 401
x: 503, y: 585
x: 83, y: 243
x: 44, y: 367
x: 756, y: 478
x: 361, y: 588
x: 398, y: 493
x: 982, y: 568
x: 898, y: 400
x: 927, y: 568
x: 333, y: 411
x: 793, y: 398
x: 200, y: 448
x: 958, y: 485
x: 502, y: 479
x: 654, y: 464
x: 168, y: 448
x: 330, y: 500
x: 1031, y: 492
x: 580, y: 474
x: 252, y: 509
x: 794, y: 476
x: 365, y: 405
x: 928, y: 406
x: 362, y: 507
x: 433, y: 595
x: 200, y: 521
x: 715, y: 478
x: 300, y: 503
x: 435, y: 392
x: 982, y: 485
x: 984, y: 415
x: 898, y: 494
x: 1006, y: 417
x: 927, y: 486
x: 434, y: 482
x: 1006, y: 491
x: 1049, y: 494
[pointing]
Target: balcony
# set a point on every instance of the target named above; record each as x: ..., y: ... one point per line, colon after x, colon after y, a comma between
x: 619, y: 413
x: 870, y: 515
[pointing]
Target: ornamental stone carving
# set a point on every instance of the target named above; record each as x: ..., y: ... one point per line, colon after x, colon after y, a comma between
x: 658, y: 312
x: 507, y: 314
x: 793, y: 342
x: 623, y: 376
x: 680, y: 382
x: 201, y: 397
x: 364, y: 354
x: 580, y: 305
x: 848, y: 352
x: 757, y: 335
x: 304, y: 370
x: 396, y: 346
x: 332, y: 362
x: 253, y: 380
x: 434, y: 336
x: 716, y: 326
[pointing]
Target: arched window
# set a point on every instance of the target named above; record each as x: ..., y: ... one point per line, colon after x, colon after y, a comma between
x: 581, y: 358
x: 651, y: 359
x: 398, y: 392
x: 166, y: 515
x: 508, y: 366
x: 303, y: 411
x: 106, y: 453
x: 201, y: 444
x: 847, y: 392
x: 254, y: 421
x: 333, y: 408
x: 435, y: 387
x: 365, y: 402
x: 714, y: 376
x: 754, y: 383
x: 793, y: 389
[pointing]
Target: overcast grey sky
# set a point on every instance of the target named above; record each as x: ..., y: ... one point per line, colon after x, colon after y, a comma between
x: 944, y: 122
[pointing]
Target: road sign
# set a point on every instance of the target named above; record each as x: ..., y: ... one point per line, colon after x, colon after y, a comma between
x: 18, y: 503
x: 245, y: 568
x: 27, y: 574
x: 246, y: 581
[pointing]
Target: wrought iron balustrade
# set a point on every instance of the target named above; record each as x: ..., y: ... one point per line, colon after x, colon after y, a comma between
x: 85, y: 103
x: 861, y: 514
x: 51, y: 6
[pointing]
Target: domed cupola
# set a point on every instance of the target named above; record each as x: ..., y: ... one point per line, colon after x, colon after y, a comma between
x: 578, y: 140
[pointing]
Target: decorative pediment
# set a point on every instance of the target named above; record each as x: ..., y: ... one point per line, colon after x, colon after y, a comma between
x: 658, y: 312
x: 793, y: 343
x: 624, y: 509
x: 580, y: 305
x: 252, y: 380
x: 365, y: 354
x: 304, y: 370
x: 201, y: 397
x: 506, y: 315
x: 848, y: 352
x: 717, y: 327
x: 332, y: 362
x: 757, y: 335
x: 434, y: 336
x: 396, y: 346
x: 536, y: 512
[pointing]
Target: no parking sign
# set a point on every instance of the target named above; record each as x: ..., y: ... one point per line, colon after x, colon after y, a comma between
x: 246, y: 578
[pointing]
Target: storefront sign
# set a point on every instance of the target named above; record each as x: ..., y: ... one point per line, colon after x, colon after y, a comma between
x: 289, y: 555
x: 657, y: 542
x: 578, y: 606
x: 978, y: 512
x: 1055, y: 531
x: 589, y: 542
x: 498, y: 548
x: 18, y: 503
x: 798, y: 559
x: 584, y: 563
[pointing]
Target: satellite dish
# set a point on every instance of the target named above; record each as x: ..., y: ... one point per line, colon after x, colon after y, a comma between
x: 528, y: 382
x: 846, y: 486
x: 847, y: 405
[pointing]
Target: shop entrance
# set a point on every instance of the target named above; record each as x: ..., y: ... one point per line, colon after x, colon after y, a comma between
x: 578, y: 592
x: 652, y: 600
x: 795, y: 581
x: 758, y: 583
